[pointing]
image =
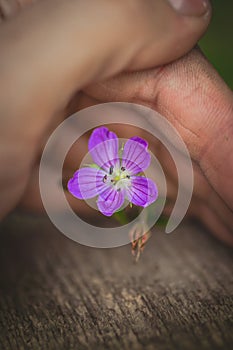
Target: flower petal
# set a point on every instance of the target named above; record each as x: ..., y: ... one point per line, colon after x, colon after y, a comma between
x: 135, y: 156
x: 103, y: 146
x: 142, y: 192
x: 110, y: 201
x: 86, y: 183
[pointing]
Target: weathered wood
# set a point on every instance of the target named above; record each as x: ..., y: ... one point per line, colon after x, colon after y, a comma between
x: 56, y: 294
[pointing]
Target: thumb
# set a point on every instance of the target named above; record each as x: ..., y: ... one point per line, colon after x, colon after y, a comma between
x: 63, y: 45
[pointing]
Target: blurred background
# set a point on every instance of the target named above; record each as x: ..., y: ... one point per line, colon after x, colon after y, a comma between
x: 217, y: 44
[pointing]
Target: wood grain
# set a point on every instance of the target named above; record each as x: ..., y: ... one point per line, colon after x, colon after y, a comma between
x: 57, y: 294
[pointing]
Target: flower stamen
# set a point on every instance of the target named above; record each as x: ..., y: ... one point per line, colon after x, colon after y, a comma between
x: 111, y: 170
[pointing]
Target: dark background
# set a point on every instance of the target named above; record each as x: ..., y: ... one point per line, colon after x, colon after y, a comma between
x: 217, y: 43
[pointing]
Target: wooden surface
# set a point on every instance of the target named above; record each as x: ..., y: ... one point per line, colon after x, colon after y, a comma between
x: 56, y: 294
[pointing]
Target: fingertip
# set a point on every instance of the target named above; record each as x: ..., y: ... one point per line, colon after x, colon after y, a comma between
x: 172, y: 36
x: 190, y: 7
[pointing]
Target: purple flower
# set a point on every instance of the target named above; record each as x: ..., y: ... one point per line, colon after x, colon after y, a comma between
x: 112, y: 178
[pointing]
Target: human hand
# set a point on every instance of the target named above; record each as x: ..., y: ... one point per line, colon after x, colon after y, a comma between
x: 170, y: 90
x: 53, y: 49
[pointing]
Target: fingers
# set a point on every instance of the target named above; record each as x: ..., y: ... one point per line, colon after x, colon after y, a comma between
x: 205, y: 203
x: 215, y: 224
x: 57, y: 46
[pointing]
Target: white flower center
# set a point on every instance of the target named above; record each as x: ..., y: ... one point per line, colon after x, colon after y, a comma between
x: 118, y: 177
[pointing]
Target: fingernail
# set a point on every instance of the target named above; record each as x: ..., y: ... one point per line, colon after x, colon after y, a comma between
x: 190, y: 7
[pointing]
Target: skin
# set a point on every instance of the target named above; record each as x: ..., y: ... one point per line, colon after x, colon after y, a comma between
x: 54, y: 87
